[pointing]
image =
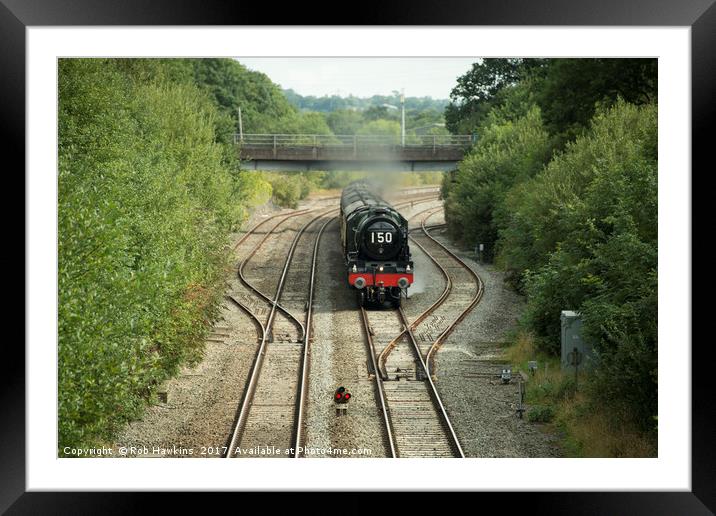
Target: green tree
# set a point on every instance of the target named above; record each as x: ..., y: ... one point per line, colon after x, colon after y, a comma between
x: 541, y: 210
x: 381, y: 128
x: 572, y: 88
x: 307, y: 123
x: 329, y: 104
x: 146, y: 200
x: 378, y: 113
x: 581, y: 232
x: 232, y: 86
x: 264, y: 108
x: 475, y: 93
x: 344, y: 121
x: 508, y: 152
x: 583, y: 235
x: 592, y: 216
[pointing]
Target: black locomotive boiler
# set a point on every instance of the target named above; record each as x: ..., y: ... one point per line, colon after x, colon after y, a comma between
x: 374, y: 237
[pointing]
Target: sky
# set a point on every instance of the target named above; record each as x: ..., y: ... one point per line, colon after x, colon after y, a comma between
x: 363, y: 77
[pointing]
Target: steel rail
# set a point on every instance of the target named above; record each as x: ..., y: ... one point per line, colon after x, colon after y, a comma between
x: 448, y: 280
x: 433, y: 390
x: 432, y: 208
x: 371, y: 350
x: 424, y: 363
x: 303, y: 387
x: 431, y: 226
x: 383, y: 357
x: 250, y: 286
x: 258, y: 362
x: 386, y: 351
x: 265, y: 329
x: 475, y: 300
x: 379, y: 384
x: 259, y: 224
x: 434, y: 396
x: 248, y: 311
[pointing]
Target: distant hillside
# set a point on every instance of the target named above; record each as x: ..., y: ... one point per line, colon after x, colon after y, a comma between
x: 326, y: 104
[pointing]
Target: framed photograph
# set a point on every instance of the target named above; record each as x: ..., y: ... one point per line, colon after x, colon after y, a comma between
x: 427, y: 241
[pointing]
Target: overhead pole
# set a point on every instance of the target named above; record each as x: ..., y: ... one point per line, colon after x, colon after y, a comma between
x: 402, y: 117
x: 241, y: 126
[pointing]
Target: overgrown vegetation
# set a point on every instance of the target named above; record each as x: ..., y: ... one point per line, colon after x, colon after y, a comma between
x: 332, y: 103
x: 590, y: 427
x: 147, y: 194
x: 511, y: 151
x: 351, y: 115
x: 561, y: 187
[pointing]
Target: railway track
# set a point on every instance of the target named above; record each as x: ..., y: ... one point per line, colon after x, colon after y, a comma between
x: 464, y: 291
x: 260, y: 277
x: 271, y: 413
x: 416, y: 420
x: 303, y: 386
x: 253, y: 299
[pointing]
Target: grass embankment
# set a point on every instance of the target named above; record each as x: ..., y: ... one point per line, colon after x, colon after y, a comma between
x: 587, y: 428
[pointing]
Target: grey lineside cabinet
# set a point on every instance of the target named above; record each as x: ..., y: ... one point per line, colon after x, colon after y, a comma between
x: 574, y: 347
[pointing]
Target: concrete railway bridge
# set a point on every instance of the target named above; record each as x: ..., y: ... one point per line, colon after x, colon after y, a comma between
x: 303, y: 152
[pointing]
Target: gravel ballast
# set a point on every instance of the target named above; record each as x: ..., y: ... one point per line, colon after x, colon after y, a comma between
x: 483, y: 409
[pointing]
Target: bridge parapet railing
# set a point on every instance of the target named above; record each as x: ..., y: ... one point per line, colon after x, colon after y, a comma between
x: 351, y: 140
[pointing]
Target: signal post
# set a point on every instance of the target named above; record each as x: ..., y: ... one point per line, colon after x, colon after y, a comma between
x: 341, y: 398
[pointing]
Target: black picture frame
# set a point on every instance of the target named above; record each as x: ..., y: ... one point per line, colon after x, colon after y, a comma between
x: 17, y: 15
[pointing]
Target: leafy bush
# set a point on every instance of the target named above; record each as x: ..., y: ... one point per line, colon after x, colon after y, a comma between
x: 146, y: 199
x: 592, y: 217
x: 540, y: 414
x: 545, y: 209
x: 580, y: 234
x: 285, y: 190
x: 507, y: 152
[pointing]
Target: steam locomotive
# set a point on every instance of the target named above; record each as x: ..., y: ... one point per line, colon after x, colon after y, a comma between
x: 374, y: 237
